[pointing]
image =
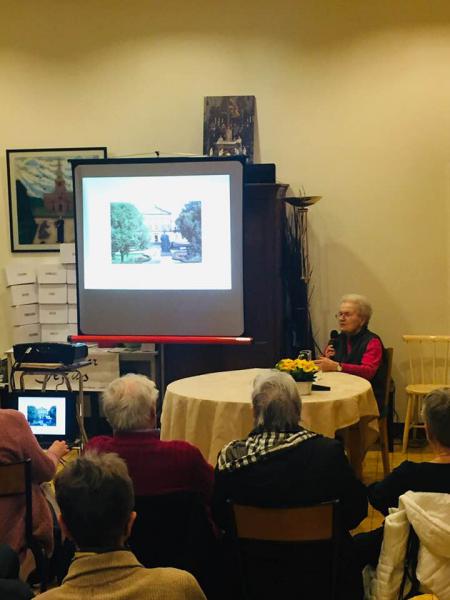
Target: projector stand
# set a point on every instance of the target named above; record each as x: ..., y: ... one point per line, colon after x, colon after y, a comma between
x: 57, y: 371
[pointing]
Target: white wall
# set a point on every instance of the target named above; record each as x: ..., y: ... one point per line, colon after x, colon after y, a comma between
x: 352, y: 102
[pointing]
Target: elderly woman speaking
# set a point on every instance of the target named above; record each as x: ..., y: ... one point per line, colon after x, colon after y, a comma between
x: 282, y: 464
x: 356, y: 350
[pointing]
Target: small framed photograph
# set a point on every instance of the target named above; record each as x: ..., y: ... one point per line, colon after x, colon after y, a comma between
x: 229, y: 126
x: 41, y: 205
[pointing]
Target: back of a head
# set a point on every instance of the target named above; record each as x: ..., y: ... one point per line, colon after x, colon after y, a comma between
x: 276, y: 401
x: 436, y: 413
x: 95, y: 495
x: 129, y: 402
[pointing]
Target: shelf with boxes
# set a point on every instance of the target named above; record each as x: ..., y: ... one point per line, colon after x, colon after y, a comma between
x: 43, y: 299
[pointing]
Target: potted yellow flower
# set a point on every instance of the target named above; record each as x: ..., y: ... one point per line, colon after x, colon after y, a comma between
x: 302, y: 370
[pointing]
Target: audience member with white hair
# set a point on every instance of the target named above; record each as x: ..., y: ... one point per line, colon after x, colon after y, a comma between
x: 281, y: 463
x: 155, y: 466
x: 356, y: 350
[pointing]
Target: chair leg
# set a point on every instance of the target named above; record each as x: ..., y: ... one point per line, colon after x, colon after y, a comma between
x: 384, y: 446
x: 409, y: 411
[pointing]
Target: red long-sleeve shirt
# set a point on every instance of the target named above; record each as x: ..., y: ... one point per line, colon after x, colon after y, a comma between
x: 370, y: 361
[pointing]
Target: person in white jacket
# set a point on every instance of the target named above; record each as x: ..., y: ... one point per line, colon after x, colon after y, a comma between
x: 429, y: 515
x: 429, y: 476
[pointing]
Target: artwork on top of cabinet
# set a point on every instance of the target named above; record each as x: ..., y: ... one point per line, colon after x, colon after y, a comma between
x: 228, y: 126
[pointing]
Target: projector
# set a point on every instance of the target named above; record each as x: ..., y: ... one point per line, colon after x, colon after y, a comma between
x: 41, y: 352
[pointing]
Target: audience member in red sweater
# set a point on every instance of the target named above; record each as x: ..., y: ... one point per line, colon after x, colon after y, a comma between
x: 155, y: 466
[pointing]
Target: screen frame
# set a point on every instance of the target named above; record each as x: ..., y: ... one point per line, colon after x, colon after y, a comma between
x: 163, y: 312
x: 70, y: 412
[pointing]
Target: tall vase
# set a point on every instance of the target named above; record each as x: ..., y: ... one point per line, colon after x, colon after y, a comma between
x: 304, y: 387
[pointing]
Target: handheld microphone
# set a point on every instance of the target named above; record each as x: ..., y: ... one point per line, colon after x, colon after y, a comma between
x: 333, y: 337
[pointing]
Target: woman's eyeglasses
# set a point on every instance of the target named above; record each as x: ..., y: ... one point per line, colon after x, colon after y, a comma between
x: 344, y: 315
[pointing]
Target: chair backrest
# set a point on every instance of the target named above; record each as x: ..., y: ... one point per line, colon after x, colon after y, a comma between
x: 173, y: 530
x: 429, y: 359
x: 388, y: 382
x: 15, y: 480
x: 275, y: 545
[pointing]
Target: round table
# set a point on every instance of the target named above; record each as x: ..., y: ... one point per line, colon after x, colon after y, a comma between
x: 213, y: 409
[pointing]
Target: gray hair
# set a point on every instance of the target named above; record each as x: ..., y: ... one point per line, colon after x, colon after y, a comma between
x: 363, y: 306
x: 276, y: 401
x: 436, y: 414
x: 129, y: 401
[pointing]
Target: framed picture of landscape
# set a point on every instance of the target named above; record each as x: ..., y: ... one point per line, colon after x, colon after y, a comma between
x: 41, y: 205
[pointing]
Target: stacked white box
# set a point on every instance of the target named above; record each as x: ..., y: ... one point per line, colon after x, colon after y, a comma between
x: 52, y: 294
x: 72, y: 294
x: 72, y: 314
x: 52, y: 273
x: 25, y: 314
x: 53, y: 313
x: 55, y: 293
x: 71, y: 271
x: 26, y: 333
x: 67, y: 253
x: 54, y: 332
x: 20, y: 273
x: 23, y: 294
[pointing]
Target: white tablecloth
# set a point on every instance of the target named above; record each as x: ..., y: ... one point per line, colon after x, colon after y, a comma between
x: 211, y: 410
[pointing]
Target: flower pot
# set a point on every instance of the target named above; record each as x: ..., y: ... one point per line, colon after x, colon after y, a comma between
x: 304, y: 387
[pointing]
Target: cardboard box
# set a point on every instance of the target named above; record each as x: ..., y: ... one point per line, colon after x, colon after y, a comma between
x: 20, y: 273
x: 71, y: 274
x: 72, y: 294
x: 26, y: 314
x: 52, y: 273
x: 26, y: 333
x: 53, y: 294
x: 53, y: 313
x: 67, y: 253
x: 72, y: 315
x: 55, y: 332
x: 23, y: 294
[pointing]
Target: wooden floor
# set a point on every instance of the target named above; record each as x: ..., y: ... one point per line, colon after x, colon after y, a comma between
x: 373, y: 471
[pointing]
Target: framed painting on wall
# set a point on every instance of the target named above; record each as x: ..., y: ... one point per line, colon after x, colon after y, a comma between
x: 41, y: 206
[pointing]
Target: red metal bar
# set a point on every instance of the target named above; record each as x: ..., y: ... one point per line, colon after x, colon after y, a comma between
x: 163, y: 339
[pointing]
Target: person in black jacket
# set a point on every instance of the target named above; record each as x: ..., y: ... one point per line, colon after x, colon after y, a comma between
x: 282, y: 464
x: 427, y: 476
x: 356, y: 350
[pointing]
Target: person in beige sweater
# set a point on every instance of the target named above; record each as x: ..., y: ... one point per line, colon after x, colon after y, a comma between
x: 95, y: 495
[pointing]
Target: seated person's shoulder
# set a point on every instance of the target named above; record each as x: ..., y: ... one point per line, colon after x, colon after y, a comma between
x: 189, y: 450
x: 102, y: 443
x: 180, y: 584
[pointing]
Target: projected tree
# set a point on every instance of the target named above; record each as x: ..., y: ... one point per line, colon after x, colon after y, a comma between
x: 128, y: 230
x: 189, y: 223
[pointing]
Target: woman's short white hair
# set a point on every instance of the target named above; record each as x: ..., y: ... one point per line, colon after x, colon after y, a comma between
x: 363, y: 306
x: 129, y: 401
x: 276, y: 401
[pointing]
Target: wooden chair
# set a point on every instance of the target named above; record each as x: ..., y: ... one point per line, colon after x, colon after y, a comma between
x: 272, y: 544
x: 15, y: 480
x: 383, y: 418
x: 429, y: 363
x: 174, y: 530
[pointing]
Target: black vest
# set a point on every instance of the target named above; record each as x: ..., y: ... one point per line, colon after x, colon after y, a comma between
x: 359, y: 344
